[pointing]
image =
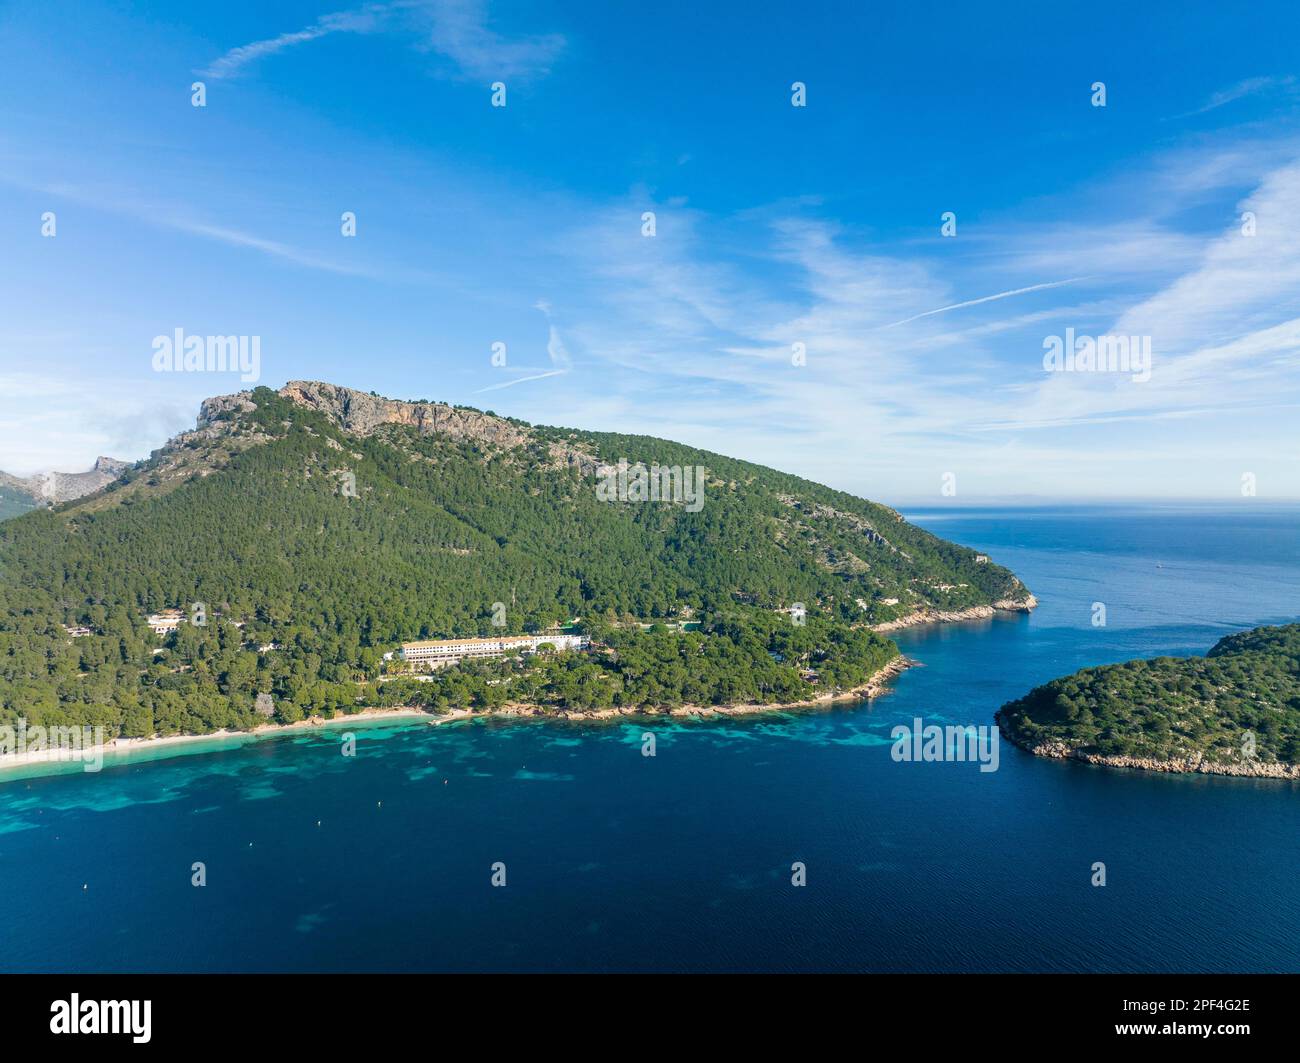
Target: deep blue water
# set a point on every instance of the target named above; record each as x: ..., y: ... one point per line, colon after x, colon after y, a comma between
x: 681, y: 862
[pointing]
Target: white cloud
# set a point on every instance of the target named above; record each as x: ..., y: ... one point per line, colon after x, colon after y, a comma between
x: 179, y: 218
x: 459, y: 30
x: 366, y: 20
x: 1255, y: 86
x: 113, y: 416
x: 1241, y: 282
x: 274, y: 248
x: 696, y: 344
x: 455, y: 29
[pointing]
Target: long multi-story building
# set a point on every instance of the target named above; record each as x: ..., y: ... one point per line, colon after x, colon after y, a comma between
x: 438, y: 652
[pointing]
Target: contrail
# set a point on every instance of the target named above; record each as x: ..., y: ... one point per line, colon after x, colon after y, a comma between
x: 522, y: 380
x: 555, y: 350
x: 985, y: 299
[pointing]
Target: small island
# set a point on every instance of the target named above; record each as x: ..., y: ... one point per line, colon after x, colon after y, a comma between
x: 1235, y: 711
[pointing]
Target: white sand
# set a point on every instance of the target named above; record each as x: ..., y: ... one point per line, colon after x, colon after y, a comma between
x: 119, y: 746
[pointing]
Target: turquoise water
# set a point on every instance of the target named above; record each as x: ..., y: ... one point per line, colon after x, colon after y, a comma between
x: 615, y: 861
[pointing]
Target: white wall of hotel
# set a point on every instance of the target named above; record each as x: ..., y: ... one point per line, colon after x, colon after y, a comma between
x: 449, y: 650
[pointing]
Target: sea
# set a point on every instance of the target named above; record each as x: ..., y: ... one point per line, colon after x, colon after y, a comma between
x: 539, y: 846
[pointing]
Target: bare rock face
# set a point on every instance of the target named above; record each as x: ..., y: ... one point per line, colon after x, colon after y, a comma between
x: 563, y: 455
x: 362, y: 414
x: 54, y: 487
x: 975, y: 612
x: 212, y: 410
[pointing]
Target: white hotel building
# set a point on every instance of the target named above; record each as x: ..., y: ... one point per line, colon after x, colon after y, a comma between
x: 166, y: 622
x: 435, y: 653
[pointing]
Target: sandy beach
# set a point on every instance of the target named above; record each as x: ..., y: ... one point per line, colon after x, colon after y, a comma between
x: 158, y: 747
x: 120, y: 746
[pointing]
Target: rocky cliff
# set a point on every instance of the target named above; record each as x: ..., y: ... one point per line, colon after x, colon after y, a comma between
x: 1192, y: 763
x: 362, y: 414
x: 1023, y: 604
x: 54, y: 487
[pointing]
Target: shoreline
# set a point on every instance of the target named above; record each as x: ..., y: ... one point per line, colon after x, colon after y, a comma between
x: 126, y: 746
x: 872, y: 688
x: 1195, y: 764
x: 972, y: 612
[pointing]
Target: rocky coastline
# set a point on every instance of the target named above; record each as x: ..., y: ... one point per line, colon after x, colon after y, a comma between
x: 876, y: 685
x: 1193, y: 764
x: 974, y: 612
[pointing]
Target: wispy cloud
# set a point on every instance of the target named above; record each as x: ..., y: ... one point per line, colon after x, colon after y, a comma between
x: 1256, y: 86
x: 274, y: 248
x: 365, y: 20
x: 179, y: 219
x: 37, y: 435
x: 687, y: 343
x: 459, y: 30
x: 1241, y: 282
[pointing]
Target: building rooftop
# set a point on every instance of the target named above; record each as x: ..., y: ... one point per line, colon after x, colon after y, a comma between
x: 485, y: 641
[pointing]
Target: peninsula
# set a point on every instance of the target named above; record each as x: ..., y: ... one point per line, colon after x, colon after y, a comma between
x: 268, y: 567
x: 1235, y: 711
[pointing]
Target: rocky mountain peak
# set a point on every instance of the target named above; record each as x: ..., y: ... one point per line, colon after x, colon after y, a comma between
x: 54, y: 487
x: 362, y: 413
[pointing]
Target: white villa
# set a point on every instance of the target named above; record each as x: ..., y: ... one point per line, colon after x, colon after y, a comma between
x: 166, y: 622
x: 438, y: 652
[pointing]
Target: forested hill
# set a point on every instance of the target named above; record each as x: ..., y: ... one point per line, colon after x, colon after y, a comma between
x: 1237, y: 709
x: 335, y: 524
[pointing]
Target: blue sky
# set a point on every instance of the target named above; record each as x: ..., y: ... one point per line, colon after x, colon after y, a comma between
x: 775, y: 225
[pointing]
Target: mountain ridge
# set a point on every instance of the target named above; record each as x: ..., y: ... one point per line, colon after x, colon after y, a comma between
x: 52, y: 488
x: 331, y: 525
